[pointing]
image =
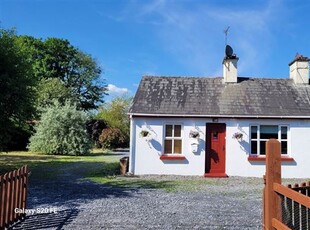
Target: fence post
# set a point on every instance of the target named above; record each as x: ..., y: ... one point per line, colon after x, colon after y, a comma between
x: 272, y: 201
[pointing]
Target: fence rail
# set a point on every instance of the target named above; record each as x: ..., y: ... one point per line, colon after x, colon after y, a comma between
x: 13, y: 196
x: 283, y: 207
x: 296, y: 210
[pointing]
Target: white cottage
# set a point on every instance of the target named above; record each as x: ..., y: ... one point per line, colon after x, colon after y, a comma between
x: 218, y: 127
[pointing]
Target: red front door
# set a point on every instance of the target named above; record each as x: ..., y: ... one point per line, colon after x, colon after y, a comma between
x: 215, y: 150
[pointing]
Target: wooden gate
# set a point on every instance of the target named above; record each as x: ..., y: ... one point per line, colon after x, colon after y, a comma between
x: 13, y: 196
x: 283, y: 207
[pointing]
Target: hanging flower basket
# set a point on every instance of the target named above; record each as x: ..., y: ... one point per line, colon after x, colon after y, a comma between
x: 144, y: 133
x: 238, y: 136
x: 194, y: 134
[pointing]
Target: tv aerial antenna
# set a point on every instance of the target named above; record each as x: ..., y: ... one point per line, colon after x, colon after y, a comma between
x: 229, y: 52
x: 226, y: 34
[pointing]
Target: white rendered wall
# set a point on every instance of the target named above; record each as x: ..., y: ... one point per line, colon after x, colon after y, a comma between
x: 237, y: 163
x: 146, y: 155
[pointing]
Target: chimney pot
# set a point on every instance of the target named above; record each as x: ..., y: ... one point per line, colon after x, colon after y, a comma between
x: 299, y: 69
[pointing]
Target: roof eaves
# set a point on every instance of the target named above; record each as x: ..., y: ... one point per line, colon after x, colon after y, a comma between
x: 218, y: 116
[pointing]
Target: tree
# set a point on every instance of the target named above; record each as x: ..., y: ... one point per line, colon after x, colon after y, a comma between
x: 52, y: 89
x: 76, y: 70
x: 16, y: 86
x: 61, y: 130
x: 115, y: 115
x: 45, y: 70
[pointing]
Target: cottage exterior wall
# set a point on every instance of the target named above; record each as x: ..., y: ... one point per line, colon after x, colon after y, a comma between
x: 145, y: 155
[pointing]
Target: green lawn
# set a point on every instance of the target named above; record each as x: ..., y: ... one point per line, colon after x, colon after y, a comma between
x: 99, y: 167
x: 50, y: 167
x: 14, y: 160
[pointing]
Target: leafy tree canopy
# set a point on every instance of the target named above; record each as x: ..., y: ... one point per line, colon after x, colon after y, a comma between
x: 77, y: 71
x: 16, y: 86
x: 52, y: 89
x: 35, y: 72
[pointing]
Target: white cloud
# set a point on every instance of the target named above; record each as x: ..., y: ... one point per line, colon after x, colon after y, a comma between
x: 113, y: 89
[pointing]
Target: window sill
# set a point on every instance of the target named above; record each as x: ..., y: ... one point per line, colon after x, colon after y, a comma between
x: 262, y: 158
x: 172, y: 157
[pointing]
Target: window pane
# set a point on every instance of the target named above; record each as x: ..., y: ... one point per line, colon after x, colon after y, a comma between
x: 177, y: 146
x: 215, y: 135
x: 262, y: 146
x: 283, y: 147
x: 253, y: 147
x: 168, y: 146
x: 268, y: 131
x: 283, y: 132
x: 177, y: 130
x: 254, y: 132
x: 168, y: 130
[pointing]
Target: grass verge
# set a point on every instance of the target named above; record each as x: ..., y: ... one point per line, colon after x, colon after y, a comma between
x: 100, y: 167
x: 55, y: 164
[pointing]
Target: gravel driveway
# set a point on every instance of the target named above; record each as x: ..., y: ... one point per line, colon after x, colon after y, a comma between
x: 230, y: 203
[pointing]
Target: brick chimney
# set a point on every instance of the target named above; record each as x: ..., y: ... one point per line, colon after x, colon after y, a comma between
x: 299, y: 69
x: 230, y: 70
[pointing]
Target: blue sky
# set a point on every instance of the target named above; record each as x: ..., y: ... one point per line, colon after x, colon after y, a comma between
x: 132, y: 38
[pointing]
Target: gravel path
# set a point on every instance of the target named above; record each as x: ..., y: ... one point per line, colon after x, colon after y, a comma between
x: 233, y: 203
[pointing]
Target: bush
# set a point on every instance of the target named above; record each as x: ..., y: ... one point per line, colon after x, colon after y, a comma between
x: 61, y: 130
x: 115, y: 115
x: 111, y: 138
x: 94, y: 130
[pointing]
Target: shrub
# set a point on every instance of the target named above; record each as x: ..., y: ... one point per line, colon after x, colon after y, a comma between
x: 94, y: 130
x: 61, y: 130
x: 111, y: 138
x: 114, y: 113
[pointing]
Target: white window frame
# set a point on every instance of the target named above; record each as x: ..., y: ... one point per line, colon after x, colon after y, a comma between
x: 173, y: 138
x: 258, y: 139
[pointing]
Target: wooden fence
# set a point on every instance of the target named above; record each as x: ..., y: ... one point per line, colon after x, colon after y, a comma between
x: 13, y: 196
x: 283, y: 207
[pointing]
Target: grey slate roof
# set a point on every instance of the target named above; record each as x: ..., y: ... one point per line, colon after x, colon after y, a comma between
x: 211, y: 97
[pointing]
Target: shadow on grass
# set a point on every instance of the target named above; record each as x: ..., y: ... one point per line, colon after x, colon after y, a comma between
x: 49, y: 220
x: 12, y: 162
